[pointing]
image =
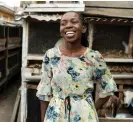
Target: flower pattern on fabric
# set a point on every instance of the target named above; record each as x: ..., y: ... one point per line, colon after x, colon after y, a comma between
x: 51, y: 113
x: 46, y: 59
x: 68, y: 82
x: 73, y: 73
x: 55, y: 60
x: 99, y: 73
x: 77, y: 118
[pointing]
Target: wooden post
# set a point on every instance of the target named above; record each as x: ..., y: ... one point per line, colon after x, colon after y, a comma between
x: 130, y: 49
x: 90, y: 36
x: 16, y: 107
x: 23, y: 101
x: 25, y: 43
x: 24, y: 64
x: 120, y: 93
x: 96, y: 92
x: 7, y: 39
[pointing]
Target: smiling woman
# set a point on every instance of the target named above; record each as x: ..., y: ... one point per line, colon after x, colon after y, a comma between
x: 68, y: 72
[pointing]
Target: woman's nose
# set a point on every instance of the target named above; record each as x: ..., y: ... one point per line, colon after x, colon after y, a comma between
x: 69, y: 25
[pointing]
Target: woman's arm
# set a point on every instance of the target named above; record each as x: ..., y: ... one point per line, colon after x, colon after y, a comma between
x: 44, y: 105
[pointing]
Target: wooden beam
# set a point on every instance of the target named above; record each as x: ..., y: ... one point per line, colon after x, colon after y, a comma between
x: 115, y: 120
x: 110, y: 12
x: 25, y: 43
x: 118, y: 60
x: 29, y: 86
x: 130, y: 49
x: 110, y: 4
x: 23, y: 101
x: 90, y: 36
x: 126, y: 82
x: 120, y: 93
x: 16, y: 107
x: 96, y: 92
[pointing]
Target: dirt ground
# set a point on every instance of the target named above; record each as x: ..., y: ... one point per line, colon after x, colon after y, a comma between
x: 7, y: 99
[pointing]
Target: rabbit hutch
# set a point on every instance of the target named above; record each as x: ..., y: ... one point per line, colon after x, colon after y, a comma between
x: 110, y: 31
x: 40, y: 32
x: 110, y: 28
x: 10, y: 45
x: 10, y: 50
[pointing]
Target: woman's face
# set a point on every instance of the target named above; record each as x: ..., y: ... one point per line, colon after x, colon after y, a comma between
x: 71, y: 27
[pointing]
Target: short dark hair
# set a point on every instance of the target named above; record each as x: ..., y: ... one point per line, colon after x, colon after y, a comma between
x: 80, y: 16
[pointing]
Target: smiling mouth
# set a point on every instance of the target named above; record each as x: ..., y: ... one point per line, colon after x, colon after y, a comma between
x: 70, y: 33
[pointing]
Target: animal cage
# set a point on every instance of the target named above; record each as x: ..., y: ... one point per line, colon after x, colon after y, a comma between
x: 111, y: 40
x: 10, y: 50
x: 111, y: 36
x: 40, y: 38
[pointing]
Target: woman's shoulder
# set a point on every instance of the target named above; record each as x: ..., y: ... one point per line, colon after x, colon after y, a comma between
x: 93, y: 52
x: 94, y: 55
x: 52, y: 52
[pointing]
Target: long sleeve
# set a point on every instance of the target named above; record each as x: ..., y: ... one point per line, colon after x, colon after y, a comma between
x: 44, y: 89
x: 102, y: 74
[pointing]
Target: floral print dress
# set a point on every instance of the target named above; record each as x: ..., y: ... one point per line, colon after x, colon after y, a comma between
x: 68, y: 82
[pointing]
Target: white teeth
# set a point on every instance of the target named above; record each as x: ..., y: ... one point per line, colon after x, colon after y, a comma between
x: 70, y: 32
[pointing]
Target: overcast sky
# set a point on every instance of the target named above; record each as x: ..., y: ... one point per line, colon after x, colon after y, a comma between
x: 11, y: 3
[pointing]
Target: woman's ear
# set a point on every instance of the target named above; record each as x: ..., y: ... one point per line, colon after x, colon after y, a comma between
x: 84, y: 29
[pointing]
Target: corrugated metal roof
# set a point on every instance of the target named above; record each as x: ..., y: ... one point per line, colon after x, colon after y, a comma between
x: 46, y: 17
x: 9, y: 24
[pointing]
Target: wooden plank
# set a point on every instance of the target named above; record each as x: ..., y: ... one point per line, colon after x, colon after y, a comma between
x: 126, y: 82
x: 34, y: 57
x: 120, y: 93
x: 2, y: 81
x: 12, y: 54
x: 16, y: 107
x: 118, y: 60
x: 2, y: 57
x: 25, y: 43
x: 56, y: 9
x: 130, y: 50
x: 112, y: 4
x: 13, y: 47
x: 123, y: 76
x: 126, y: 13
x: 96, y: 92
x: 115, y: 120
x: 3, y: 49
x: 90, y: 35
x: 29, y: 86
x: 23, y: 101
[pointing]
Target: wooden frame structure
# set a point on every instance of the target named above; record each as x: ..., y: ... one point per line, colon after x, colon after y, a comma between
x: 26, y: 72
x: 10, y: 50
x: 91, y: 20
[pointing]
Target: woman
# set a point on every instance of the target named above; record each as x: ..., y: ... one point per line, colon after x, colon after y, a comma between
x: 68, y: 71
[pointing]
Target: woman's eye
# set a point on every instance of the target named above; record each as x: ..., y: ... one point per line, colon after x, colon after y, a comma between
x: 62, y: 23
x: 74, y: 21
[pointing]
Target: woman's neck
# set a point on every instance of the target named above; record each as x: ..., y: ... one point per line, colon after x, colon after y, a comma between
x: 72, y: 47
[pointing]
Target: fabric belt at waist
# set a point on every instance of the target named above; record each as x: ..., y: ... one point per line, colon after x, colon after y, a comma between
x: 67, y: 101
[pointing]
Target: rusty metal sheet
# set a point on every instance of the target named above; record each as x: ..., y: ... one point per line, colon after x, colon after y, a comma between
x: 46, y: 17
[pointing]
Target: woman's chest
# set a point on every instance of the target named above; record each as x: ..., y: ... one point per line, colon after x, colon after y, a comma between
x: 72, y: 70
